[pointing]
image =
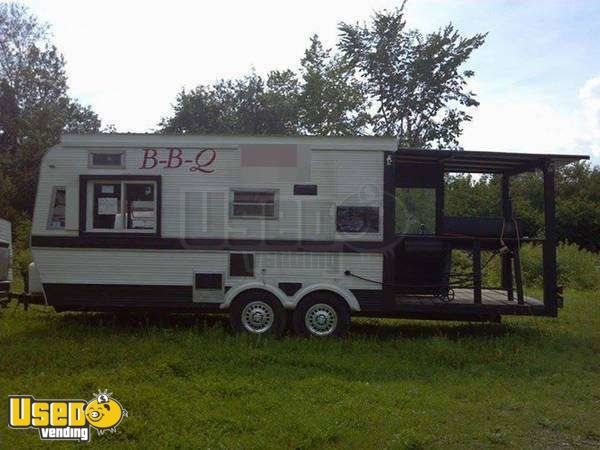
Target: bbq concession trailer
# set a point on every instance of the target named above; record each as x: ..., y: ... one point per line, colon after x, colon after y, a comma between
x: 265, y: 228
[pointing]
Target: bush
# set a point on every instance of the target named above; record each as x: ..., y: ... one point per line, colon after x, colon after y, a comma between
x: 531, y: 265
x: 577, y: 268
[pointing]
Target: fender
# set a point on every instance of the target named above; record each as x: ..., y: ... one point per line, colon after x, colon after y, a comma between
x: 234, y: 292
x: 342, y: 292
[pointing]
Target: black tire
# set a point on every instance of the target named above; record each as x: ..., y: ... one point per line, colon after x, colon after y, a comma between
x: 256, y: 300
x: 309, y: 305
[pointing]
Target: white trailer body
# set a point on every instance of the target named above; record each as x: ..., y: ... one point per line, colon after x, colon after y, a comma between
x: 326, y: 227
x: 191, y: 222
x: 5, y: 255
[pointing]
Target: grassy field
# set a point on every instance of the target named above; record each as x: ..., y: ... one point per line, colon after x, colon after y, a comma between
x: 188, y: 382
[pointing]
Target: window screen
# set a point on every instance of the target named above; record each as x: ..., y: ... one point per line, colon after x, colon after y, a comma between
x: 56, y: 219
x: 106, y: 160
x: 257, y: 204
x: 123, y: 206
x: 140, y: 206
x: 415, y: 211
x: 357, y: 219
x: 107, y: 206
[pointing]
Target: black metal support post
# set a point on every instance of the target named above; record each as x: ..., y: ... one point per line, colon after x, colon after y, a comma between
x: 439, y: 203
x: 518, y: 276
x: 550, y: 279
x: 389, y: 232
x: 507, y: 214
x: 477, y: 272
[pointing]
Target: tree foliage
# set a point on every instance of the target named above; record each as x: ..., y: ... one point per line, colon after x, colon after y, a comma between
x: 415, y: 79
x: 577, y: 205
x: 34, y: 106
x: 321, y: 99
x: 244, y: 106
x: 383, y: 79
x: 332, y: 101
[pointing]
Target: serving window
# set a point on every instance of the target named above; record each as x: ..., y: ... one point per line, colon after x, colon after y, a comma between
x: 123, y: 206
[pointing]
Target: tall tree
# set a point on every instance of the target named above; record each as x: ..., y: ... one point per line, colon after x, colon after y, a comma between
x: 323, y: 99
x: 384, y: 79
x: 332, y: 101
x: 282, y: 97
x: 414, y: 79
x: 35, y: 105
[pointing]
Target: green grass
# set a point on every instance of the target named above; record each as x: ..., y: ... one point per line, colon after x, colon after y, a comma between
x: 188, y: 382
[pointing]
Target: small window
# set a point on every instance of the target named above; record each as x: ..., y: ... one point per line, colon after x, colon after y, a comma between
x: 107, y: 160
x: 254, y: 204
x: 208, y: 281
x: 241, y: 265
x: 357, y: 219
x: 415, y: 211
x: 123, y: 206
x: 56, y: 219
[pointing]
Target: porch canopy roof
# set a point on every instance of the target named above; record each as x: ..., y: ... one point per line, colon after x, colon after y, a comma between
x: 483, y: 161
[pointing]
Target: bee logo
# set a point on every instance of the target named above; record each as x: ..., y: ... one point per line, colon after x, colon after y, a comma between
x: 104, y: 413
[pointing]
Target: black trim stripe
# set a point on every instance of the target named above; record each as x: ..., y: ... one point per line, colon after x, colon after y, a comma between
x: 156, y: 243
x: 4, y: 244
x: 120, y: 241
x: 119, y: 295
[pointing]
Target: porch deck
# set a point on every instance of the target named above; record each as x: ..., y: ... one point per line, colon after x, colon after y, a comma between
x: 494, y: 304
x: 465, y: 297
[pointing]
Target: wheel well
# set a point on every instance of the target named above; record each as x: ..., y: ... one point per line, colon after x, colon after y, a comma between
x: 251, y: 291
x: 327, y: 292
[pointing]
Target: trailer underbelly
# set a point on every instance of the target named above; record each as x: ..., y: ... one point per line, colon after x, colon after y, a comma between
x: 99, y: 297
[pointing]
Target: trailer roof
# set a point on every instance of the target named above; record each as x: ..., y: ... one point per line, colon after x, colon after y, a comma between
x: 190, y: 140
x: 484, y: 161
x: 450, y: 160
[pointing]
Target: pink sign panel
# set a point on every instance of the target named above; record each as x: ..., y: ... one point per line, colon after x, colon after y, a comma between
x: 274, y: 155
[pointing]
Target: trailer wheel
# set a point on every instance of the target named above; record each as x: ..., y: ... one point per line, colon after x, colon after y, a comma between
x: 322, y: 314
x: 257, y: 312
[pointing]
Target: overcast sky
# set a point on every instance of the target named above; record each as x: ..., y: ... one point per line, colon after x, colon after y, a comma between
x: 537, y: 75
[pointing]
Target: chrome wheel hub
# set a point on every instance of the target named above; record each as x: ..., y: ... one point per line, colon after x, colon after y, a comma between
x: 258, y: 317
x: 321, y: 319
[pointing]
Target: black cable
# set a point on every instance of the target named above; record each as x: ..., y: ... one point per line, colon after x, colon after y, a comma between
x: 459, y: 276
